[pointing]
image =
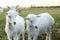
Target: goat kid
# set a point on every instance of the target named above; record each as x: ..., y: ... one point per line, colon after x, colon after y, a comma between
x: 14, y: 25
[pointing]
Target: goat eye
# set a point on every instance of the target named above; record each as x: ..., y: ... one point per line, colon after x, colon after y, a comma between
x: 31, y: 21
x: 36, y: 27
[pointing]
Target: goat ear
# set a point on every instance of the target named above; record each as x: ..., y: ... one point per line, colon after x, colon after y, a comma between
x: 0, y: 7
x: 17, y: 6
x: 8, y: 7
x: 26, y: 18
x: 38, y: 16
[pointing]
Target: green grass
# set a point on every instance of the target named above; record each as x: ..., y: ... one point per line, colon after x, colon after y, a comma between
x: 55, y: 12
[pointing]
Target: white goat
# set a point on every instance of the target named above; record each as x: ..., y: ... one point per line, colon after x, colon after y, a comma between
x: 14, y: 25
x: 39, y: 25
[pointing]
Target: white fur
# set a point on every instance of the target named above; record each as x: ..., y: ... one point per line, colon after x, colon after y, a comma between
x: 43, y: 23
x: 14, y: 31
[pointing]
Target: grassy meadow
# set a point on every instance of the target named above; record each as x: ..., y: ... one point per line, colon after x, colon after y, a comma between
x: 55, y: 12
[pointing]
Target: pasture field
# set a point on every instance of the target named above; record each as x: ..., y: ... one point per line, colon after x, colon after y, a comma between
x: 55, y: 12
